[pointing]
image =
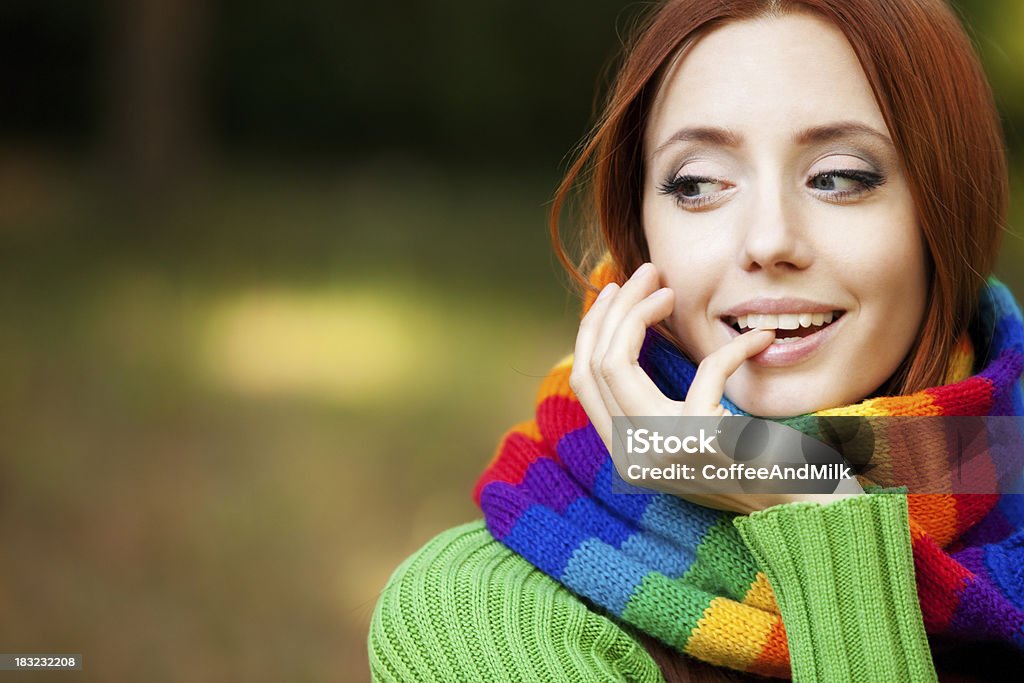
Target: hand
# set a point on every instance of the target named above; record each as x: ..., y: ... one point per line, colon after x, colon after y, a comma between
x: 608, y: 380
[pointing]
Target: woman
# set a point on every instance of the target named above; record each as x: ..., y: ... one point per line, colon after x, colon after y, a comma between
x: 834, y: 164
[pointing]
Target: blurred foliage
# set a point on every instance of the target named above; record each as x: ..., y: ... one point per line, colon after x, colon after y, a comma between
x: 499, y: 83
x: 493, y: 82
x: 219, y: 442
x: 229, y: 411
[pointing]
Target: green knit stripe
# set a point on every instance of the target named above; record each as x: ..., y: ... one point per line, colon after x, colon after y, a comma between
x: 722, y: 565
x: 873, y: 629
x: 466, y: 608
x: 666, y: 609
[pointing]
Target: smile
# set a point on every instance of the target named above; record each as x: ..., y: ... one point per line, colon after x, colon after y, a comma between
x: 797, y: 335
x: 787, y: 326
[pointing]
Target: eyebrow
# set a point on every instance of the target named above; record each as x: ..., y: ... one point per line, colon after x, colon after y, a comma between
x: 724, y: 137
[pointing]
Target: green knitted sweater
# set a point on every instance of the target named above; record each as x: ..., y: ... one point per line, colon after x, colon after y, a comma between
x: 466, y: 608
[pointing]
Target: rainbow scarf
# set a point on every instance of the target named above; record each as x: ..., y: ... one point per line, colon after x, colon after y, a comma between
x: 547, y: 495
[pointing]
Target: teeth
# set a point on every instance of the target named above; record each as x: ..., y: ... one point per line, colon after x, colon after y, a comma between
x: 789, y: 321
x: 784, y: 321
x: 763, y: 321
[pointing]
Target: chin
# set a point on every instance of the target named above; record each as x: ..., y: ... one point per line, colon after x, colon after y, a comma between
x: 778, y: 398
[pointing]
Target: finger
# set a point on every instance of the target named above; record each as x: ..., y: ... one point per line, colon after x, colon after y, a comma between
x: 581, y: 378
x: 590, y: 328
x: 630, y: 386
x: 708, y: 385
x: 642, y: 283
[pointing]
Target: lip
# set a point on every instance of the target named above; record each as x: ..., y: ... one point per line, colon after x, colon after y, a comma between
x: 791, y: 353
x: 776, y: 306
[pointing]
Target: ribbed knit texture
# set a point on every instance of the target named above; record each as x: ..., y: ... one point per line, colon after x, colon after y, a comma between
x: 683, y: 573
x: 465, y: 608
x: 855, y: 551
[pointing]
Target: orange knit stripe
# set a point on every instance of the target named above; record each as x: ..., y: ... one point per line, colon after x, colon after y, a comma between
x: 774, y: 657
x: 936, y: 515
x: 603, y: 273
x: 557, y: 381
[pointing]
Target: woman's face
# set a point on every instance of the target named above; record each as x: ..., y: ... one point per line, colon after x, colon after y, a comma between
x: 772, y: 187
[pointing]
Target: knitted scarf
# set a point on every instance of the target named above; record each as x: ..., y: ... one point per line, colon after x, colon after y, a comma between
x: 666, y: 566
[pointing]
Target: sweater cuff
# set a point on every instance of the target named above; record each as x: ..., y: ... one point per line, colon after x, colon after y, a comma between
x: 843, y: 577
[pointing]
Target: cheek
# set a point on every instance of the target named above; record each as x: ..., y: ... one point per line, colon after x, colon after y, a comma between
x: 687, y: 252
x: 884, y: 266
x: 691, y: 261
x: 685, y: 264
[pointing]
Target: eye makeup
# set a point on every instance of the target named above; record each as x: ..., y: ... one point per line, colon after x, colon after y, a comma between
x: 686, y: 189
x: 681, y: 188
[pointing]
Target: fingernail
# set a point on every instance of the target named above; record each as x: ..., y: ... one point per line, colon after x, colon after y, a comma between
x: 605, y: 292
x: 661, y: 292
x: 642, y: 270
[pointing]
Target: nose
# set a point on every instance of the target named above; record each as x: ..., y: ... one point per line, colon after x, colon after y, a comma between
x: 775, y: 240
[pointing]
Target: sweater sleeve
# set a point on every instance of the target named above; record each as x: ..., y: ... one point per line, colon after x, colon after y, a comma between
x: 466, y: 608
x: 843, y: 577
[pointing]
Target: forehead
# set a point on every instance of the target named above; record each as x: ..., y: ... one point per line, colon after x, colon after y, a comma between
x: 764, y: 76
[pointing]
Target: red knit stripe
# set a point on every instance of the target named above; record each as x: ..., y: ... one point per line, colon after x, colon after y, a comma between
x: 939, y: 582
x: 973, y: 396
x: 516, y: 453
x: 559, y: 415
x: 971, y: 509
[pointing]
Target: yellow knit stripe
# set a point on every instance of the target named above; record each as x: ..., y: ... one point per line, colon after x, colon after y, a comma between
x: 731, y: 634
x: 961, y: 364
x: 761, y: 595
x: 920, y: 403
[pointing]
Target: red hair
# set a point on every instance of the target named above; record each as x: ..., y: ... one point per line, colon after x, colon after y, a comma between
x: 936, y: 102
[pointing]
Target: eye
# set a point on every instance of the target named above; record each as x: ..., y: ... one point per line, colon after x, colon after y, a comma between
x: 844, y: 184
x: 689, y: 191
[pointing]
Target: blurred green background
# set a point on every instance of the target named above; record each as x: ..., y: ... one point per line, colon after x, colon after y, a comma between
x: 275, y: 279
